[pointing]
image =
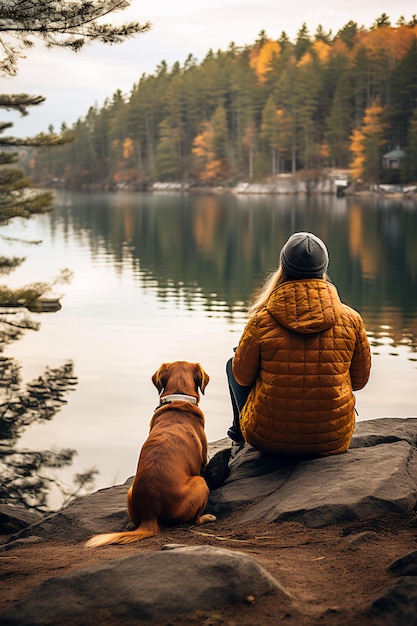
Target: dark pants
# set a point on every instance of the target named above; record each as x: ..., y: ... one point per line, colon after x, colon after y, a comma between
x: 238, y: 395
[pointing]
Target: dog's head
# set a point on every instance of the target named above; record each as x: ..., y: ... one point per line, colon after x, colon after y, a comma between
x: 181, y: 377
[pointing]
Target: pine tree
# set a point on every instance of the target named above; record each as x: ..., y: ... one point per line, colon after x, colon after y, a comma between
x: 249, y: 142
x: 26, y: 479
x: 348, y: 33
x: 220, y: 134
x: 303, y: 42
x: 381, y: 21
x: 167, y: 161
x: 409, y: 162
x: 338, y: 123
x: 309, y: 78
x: 321, y: 86
x: 70, y: 24
x: 275, y: 133
x: 269, y: 131
x: 67, y: 24
x: 18, y: 198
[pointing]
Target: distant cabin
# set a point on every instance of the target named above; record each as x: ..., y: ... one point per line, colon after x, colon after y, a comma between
x: 391, y: 160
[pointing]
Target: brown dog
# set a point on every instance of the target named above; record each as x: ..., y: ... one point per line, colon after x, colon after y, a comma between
x: 168, y: 488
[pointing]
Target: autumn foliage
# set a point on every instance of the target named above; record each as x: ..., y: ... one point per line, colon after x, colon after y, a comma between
x: 250, y: 112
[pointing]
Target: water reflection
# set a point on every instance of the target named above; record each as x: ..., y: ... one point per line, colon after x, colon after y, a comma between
x: 213, y: 251
x: 160, y: 277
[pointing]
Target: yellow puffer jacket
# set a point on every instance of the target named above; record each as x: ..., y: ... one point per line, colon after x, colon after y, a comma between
x: 303, y: 354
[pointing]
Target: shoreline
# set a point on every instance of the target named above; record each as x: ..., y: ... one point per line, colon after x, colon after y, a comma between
x: 286, y: 186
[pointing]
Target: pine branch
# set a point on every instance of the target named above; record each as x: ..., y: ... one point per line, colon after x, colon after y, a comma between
x: 67, y: 24
x: 19, y: 102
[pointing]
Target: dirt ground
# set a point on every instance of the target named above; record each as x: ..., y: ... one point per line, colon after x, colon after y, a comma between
x: 332, y: 574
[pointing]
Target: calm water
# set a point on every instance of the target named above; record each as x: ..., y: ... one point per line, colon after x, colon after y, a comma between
x: 160, y: 277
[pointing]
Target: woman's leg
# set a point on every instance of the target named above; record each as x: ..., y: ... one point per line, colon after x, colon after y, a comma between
x: 238, y: 396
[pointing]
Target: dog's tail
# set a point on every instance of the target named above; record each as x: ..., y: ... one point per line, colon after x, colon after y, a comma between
x: 148, y: 529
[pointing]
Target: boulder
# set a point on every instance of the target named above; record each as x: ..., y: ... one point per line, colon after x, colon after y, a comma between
x: 378, y: 475
x: 406, y: 565
x: 146, y: 586
x: 360, y: 484
x: 103, y: 511
x: 385, y: 430
x: 397, y: 606
x: 13, y: 518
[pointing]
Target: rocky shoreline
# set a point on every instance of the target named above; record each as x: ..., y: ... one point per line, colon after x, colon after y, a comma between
x: 336, y: 183
x: 342, y: 524
x: 340, y: 185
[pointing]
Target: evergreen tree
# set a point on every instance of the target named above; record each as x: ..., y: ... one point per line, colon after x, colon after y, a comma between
x: 70, y: 24
x: 275, y: 133
x: 409, y: 161
x: 284, y: 41
x: 175, y: 114
x: 249, y: 142
x: 269, y: 131
x: 26, y: 479
x: 118, y: 132
x: 338, y: 123
x: 348, y: 33
x: 321, y: 87
x: 220, y: 133
x: 288, y: 102
x: 18, y: 198
x: 382, y: 20
x: 303, y: 42
x: 403, y: 87
x: 243, y: 103
x: 167, y: 161
x: 309, y: 79
x: 321, y: 35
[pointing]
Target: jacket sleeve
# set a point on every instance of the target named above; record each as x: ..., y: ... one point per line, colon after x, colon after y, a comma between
x: 360, y: 366
x: 247, y: 358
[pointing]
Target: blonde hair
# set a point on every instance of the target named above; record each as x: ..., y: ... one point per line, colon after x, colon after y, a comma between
x: 272, y: 281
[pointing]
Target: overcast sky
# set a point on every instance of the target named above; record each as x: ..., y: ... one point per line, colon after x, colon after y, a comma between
x: 74, y: 82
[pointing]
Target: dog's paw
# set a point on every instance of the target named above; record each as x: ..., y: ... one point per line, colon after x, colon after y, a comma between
x: 205, y: 519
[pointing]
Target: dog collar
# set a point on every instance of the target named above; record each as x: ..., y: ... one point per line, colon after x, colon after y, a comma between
x: 176, y: 396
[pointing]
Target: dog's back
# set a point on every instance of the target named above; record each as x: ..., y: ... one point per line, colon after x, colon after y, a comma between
x: 168, y: 488
x: 173, y: 456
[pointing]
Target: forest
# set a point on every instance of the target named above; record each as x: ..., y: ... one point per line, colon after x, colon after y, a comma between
x: 254, y: 112
x: 26, y: 475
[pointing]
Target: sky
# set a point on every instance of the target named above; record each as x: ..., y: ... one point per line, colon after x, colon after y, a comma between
x: 73, y: 82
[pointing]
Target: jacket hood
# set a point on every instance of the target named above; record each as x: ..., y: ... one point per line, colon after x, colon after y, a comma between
x: 305, y: 306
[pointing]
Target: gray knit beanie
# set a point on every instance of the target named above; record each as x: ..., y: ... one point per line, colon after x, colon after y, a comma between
x: 304, y: 256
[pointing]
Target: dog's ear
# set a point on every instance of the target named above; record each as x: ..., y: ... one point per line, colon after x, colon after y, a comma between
x: 201, y: 377
x: 159, y: 378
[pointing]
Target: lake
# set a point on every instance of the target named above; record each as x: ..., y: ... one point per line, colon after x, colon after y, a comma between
x: 159, y: 277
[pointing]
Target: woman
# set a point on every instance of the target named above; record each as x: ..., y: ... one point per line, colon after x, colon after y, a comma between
x: 301, y: 356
